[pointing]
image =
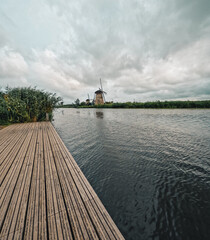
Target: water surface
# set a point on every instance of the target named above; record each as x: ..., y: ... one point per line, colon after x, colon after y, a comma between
x: 150, y: 168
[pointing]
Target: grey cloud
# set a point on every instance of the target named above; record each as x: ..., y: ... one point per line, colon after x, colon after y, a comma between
x: 142, y: 49
x: 12, y: 64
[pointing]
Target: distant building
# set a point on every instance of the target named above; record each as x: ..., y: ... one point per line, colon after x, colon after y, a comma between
x: 87, y: 101
x: 99, y: 97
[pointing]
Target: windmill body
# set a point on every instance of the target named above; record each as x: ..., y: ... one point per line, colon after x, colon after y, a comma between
x: 88, y: 100
x: 99, y: 96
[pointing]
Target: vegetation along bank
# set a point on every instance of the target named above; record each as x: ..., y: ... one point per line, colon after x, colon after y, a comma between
x: 157, y: 104
x: 18, y: 105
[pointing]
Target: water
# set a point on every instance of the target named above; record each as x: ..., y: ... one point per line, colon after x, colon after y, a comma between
x: 150, y: 168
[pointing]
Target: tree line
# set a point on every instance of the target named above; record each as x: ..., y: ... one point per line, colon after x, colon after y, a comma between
x: 27, y: 104
x: 159, y: 104
x: 156, y: 104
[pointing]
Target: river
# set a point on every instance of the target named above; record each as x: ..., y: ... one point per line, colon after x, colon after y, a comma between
x: 149, y: 167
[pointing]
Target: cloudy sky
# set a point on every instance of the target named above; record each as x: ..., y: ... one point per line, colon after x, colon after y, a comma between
x: 142, y: 49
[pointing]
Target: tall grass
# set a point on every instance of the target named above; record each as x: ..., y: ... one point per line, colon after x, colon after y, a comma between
x: 26, y: 105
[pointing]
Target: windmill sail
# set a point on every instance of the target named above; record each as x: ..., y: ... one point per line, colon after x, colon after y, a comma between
x: 101, y: 84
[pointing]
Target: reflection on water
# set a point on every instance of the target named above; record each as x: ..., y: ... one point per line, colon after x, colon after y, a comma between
x: 99, y: 114
x: 150, y: 168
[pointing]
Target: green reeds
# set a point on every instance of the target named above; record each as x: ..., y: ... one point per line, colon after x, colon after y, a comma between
x: 26, y: 105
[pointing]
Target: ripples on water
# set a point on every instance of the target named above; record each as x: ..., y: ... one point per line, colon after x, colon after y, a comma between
x: 150, y: 168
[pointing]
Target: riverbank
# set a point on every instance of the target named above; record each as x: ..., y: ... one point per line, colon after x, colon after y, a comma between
x: 156, y: 105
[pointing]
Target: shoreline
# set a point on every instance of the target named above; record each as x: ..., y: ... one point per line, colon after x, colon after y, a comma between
x: 132, y: 108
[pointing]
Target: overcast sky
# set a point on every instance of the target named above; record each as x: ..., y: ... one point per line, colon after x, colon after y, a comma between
x: 141, y: 49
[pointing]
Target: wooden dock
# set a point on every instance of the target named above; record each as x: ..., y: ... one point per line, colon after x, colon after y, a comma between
x: 43, y: 193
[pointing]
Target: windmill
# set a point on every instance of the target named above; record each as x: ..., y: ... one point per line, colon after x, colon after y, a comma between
x: 88, y: 100
x: 99, y: 96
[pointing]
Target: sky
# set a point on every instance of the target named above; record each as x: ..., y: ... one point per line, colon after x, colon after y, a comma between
x: 143, y: 50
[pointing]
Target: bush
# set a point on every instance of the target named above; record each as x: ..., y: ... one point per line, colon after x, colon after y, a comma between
x: 26, y: 104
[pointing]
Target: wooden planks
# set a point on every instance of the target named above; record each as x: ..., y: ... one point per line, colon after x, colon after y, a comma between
x: 43, y: 193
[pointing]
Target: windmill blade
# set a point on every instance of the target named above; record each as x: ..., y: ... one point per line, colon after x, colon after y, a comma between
x: 104, y: 92
x: 101, y: 84
x: 104, y: 97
